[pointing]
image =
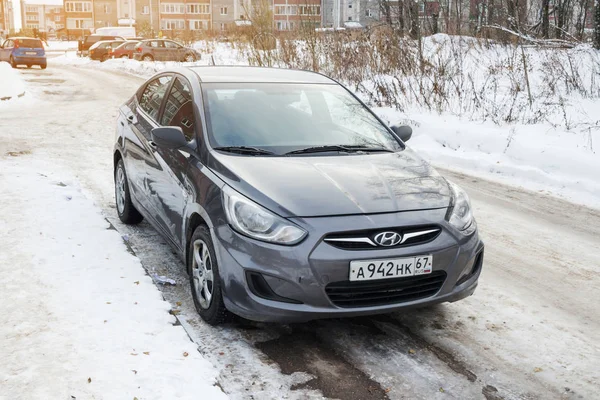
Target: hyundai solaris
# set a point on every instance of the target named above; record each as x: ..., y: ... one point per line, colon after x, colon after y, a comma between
x: 288, y: 199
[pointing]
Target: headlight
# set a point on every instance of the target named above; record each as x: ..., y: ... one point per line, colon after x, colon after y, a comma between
x: 250, y: 219
x: 460, y: 213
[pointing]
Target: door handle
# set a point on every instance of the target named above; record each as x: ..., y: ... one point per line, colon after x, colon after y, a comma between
x: 152, y: 144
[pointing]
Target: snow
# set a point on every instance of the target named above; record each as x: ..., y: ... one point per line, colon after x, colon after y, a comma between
x: 59, y: 45
x: 80, y: 318
x: 551, y: 145
x: 11, y: 84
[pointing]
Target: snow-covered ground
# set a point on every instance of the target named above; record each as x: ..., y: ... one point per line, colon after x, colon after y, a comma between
x: 80, y: 319
x: 60, y: 45
x: 11, y: 84
x: 545, y: 156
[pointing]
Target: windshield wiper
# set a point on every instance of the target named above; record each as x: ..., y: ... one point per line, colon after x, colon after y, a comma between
x: 245, y: 150
x: 344, y: 148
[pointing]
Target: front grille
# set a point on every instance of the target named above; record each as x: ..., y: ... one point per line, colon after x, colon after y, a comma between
x: 386, y: 291
x: 365, y: 240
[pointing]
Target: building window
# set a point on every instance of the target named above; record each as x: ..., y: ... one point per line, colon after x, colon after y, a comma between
x: 223, y: 26
x: 286, y: 10
x: 78, y: 6
x: 197, y: 24
x: 369, y: 13
x: 350, y: 5
x: 33, y: 26
x: 57, y: 18
x: 350, y: 18
x: 223, y: 10
x: 32, y: 9
x: 172, y: 24
x: 173, y: 8
x: 32, y: 18
x: 422, y: 8
x: 146, y: 10
x: 198, y: 8
x: 310, y: 10
x: 107, y: 9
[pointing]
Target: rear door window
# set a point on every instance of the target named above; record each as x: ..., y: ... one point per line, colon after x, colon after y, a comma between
x: 179, y: 109
x: 155, y: 44
x: 29, y: 43
x: 153, y: 95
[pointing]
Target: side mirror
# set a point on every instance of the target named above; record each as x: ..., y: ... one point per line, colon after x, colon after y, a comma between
x: 403, y: 131
x: 169, y: 137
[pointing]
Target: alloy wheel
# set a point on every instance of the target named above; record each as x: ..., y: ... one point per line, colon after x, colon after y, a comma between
x: 202, y: 273
x: 120, y: 190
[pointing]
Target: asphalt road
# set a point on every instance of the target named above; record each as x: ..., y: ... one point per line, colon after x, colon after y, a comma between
x: 531, y: 331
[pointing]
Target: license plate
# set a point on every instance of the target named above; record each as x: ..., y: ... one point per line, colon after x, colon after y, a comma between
x: 31, y: 53
x: 366, y: 270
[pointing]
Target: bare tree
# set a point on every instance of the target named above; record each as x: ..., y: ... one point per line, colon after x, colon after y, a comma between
x: 597, y: 24
x: 546, y: 19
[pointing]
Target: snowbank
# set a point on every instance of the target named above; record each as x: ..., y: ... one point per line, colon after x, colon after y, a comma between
x: 11, y: 84
x: 538, y: 157
x: 80, y: 318
x: 56, y: 45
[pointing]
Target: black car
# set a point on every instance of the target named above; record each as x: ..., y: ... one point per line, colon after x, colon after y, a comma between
x: 102, y: 50
x: 84, y: 45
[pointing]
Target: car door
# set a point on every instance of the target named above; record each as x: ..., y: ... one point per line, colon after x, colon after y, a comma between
x: 174, y: 194
x: 6, y: 50
x: 143, y: 169
x: 172, y: 51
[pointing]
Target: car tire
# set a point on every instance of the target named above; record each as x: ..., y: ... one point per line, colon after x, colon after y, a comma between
x: 28, y: 66
x: 208, y: 301
x: 127, y: 212
x: 104, y: 58
x: 43, y: 66
x: 125, y: 56
x: 12, y: 62
x: 147, y: 57
x: 189, y: 58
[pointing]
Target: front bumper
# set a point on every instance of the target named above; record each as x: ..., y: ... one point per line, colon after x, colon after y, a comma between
x: 298, y: 275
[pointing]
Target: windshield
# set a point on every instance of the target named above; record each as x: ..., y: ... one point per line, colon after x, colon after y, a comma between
x: 286, y: 117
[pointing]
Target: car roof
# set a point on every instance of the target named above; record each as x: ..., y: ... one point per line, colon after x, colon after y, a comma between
x: 23, y: 37
x: 245, y: 74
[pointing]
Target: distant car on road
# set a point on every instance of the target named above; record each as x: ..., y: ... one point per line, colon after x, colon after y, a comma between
x: 164, y: 50
x: 288, y: 198
x: 125, y: 50
x: 23, y: 51
x: 101, y: 50
x: 85, y: 44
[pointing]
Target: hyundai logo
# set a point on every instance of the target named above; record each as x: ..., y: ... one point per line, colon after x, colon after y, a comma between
x: 388, y: 238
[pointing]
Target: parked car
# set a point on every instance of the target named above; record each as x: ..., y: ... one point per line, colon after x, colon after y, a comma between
x: 23, y: 51
x: 85, y: 44
x: 288, y: 198
x: 164, y: 50
x: 101, y: 50
x: 124, y: 50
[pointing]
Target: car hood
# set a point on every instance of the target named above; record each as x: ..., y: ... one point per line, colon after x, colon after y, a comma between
x: 312, y: 186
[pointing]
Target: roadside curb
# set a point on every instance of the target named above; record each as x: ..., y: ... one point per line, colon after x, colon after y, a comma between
x: 10, y: 97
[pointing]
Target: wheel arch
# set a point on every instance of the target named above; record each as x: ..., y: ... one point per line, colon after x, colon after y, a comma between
x: 194, y: 221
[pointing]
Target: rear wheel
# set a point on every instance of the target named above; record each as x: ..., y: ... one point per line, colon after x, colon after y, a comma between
x: 189, y: 58
x: 43, y: 66
x: 128, y: 214
x: 205, y: 278
x: 147, y: 57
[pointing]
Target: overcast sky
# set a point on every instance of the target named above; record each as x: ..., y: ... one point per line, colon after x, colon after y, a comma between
x: 17, y: 8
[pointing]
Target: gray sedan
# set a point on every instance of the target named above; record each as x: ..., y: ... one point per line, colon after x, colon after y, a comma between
x: 164, y: 50
x: 288, y: 199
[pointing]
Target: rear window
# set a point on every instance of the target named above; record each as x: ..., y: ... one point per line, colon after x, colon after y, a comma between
x: 31, y: 43
x: 92, y: 39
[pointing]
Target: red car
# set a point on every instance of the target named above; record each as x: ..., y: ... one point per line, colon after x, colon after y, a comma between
x: 125, y: 50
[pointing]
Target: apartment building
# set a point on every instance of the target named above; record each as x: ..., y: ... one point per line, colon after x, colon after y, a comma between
x: 46, y: 19
x: 350, y: 13
x: 295, y: 14
x: 6, y: 18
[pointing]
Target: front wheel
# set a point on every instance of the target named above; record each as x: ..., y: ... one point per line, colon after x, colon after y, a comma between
x: 28, y: 66
x: 12, y: 62
x: 128, y: 214
x: 205, y: 279
x: 43, y: 66
x: 147, y: 57
x: 189, y: 58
